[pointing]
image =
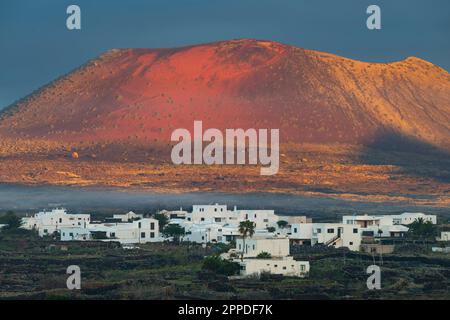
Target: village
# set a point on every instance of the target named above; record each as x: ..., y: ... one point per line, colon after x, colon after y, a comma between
x: 260, y: 240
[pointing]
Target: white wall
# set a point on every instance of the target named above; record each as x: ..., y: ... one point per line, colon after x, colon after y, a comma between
x: 47, y: 222
x: 70, y: 234
x: 277, y: 247
x: 286, y: 267
x: 140, y: 231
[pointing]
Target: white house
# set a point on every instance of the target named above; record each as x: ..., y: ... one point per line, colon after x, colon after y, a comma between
x: 279, y: 261
x: 409, y: 217
x: 71, y: 234
x: 330, y: 234
x: 445, y: 236
x: 205, y: 233
x: 405, y: 218
x: 261, y: 218
x: 128, y: 217
x: 174, y: 214
x: 220, y: 214
x: 252, y: 247
x: 392, y: 231
x: 47, y: 222
x: 138, y: 231
x: 210, y: 214
x: 285, y: 266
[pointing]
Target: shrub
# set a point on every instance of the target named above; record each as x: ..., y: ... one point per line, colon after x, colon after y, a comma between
x: 220, y: 266
x: 264, y: 255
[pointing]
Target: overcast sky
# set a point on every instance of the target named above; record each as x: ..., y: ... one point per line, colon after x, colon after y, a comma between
x: 36, y: 47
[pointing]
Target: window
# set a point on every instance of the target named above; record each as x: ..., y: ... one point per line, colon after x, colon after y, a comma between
x: 139, y: 225
x: 217, y: 219
x: 265, y: 220
x: 355, y: 230
x: 319, y: 230
x: 142, y: 234
x: 45, y: 231
x: 219, y: 238
x: 350, y: 243
x: 203, y: 238
x: 215, y: 209
x: 112, y: 234
x: 152, y: 234
x: 60, y: 220
x: 71, y: 234
x: 330, y: 230
x: 302, y: 267
x: 295, y: 230
x: 254, y: 247
x: 276, y: 266
x: 152, y: 226
x: 284, y: 268
x: 202, y: 219
x: 189, y: 219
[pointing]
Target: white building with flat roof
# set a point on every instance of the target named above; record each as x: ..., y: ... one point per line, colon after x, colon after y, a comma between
x: 329, y: 234
x: 253, y: 246
x: 128, y: 217
x: 285, y: 266
x: 445, y: 236
x: 277, y: 262
x: 138, y: 231
x: 220, y: 214
x: 74, y: 234
x: 405, y: 218
x: 47, y: 222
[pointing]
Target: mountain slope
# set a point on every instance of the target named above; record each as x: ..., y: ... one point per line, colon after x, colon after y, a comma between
x: 312, y: 97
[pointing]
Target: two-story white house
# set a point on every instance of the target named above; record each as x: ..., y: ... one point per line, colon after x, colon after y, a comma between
x: 47, y: 222
x: 278, y: 261
x: 330, y: 234
x: 138, y: 231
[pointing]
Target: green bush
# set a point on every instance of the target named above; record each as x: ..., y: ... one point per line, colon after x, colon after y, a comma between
x: 220, y: 266
x: 264, y: 255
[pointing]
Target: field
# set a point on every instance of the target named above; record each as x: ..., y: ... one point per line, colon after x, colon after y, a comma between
x: 331, y: 171
x: 33, y: 268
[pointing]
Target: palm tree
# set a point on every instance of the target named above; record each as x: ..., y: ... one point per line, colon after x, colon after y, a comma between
x: 246, y: 228
x: 421, y: 229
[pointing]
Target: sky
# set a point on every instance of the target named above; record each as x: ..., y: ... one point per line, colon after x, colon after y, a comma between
x: 36, y: 47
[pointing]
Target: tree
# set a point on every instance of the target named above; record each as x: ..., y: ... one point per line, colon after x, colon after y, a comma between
x: 421, y: 229
x: 175, y: 231
x: 162, y: 220
x: 12, y: 221
x: 271, y: 229
x: 246, y: 228
x: 220, y: 266
x: 282, y: 224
